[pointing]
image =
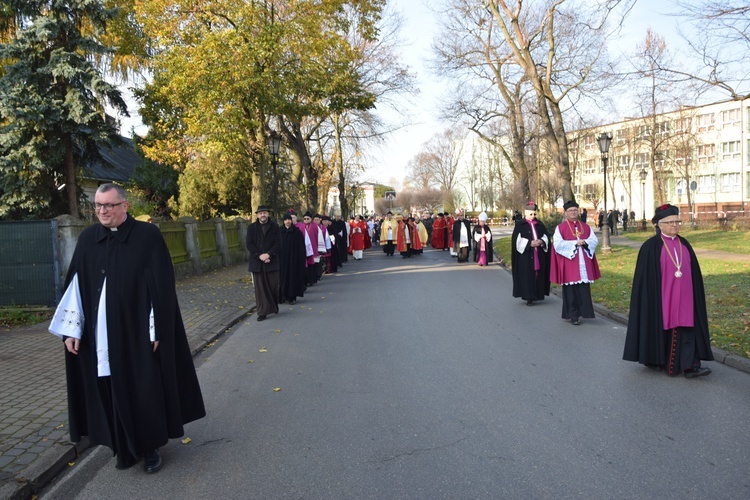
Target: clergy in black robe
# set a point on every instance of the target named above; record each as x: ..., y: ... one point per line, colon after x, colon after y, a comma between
x: 291, y: 262
x: 462, y: 237
x: 338, y: 229
x: 264, y: 245
x: 530, y: 257
x: 668, y: 323
x: 130, y: 375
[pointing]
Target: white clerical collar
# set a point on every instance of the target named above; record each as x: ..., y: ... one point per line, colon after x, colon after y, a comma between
x: 670, y: 237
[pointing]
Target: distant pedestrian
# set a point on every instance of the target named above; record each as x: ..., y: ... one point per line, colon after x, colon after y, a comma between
x: 461, y: 235
x: 131, y: 381
x: 264, y: 245
x: 574, y: 264
x: 388, y: 234
x: 625, y: 220
x: 668, y: 323
x: 482, y: 236
x: 530, y: 257
x: 584, y: 215
x: 600, y: 220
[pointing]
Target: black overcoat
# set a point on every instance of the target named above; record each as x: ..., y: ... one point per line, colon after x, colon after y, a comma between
x: 292, y: 265
x: 528, y: 284
x: 155, y: 393
x: 645, y: 342
x: 259, y: 243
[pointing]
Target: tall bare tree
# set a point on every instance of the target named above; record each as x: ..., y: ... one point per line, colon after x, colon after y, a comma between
x: 560, y: 46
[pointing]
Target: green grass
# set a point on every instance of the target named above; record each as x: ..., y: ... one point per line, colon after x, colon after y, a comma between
x: 727, y: 291
x: 13, y: 316
x: 726, y: 241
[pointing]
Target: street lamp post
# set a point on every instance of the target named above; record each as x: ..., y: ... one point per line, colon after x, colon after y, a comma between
x: 274, y: 144
x: 604, y: 140
x: 644, y: 174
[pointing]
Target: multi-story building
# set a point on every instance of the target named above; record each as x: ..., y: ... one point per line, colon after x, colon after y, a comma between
x: 696, y: 158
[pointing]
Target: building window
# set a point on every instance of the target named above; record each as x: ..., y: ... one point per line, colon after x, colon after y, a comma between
x: 623, y: 162
x: 706, y: 153
x: 730, y: 183
x: 705, y: 122
x: 623, y: 136
x: 642, y: 131
x: 730, y: 150
x: 706, y: 183
x: 662, y: 128
x: 731, y: 118
x: 589, y: 167
x: 642, y: 161
x: 589, y: 142
x: 683, y: 125
x: 660, y: 158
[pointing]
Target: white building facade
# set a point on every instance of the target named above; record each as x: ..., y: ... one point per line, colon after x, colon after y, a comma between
x: 697, y: 158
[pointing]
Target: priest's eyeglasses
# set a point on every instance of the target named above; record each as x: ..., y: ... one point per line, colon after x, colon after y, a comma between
x: 671, y: 222
x: 98, y: 207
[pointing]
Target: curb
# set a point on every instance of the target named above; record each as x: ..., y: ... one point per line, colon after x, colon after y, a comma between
x: 720, y: 355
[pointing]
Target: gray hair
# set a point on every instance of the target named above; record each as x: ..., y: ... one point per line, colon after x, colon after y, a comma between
x: 110, y: 186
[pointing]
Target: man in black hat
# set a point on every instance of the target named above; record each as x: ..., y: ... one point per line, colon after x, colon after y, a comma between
x: 264, y: 244
x: 668, y: 323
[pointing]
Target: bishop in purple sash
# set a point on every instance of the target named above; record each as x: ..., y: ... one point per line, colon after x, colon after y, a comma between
x: 668, y: 324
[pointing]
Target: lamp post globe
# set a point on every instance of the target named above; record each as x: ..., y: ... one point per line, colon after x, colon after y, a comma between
x: 605, y: 140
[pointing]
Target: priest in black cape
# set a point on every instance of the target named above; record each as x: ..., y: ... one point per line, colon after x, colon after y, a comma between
x: 338, y: 229
x: 530, y: 257
x: 291, y: 261
x: 668, y: 323
x: 130, y: 375
x: 462, y: 236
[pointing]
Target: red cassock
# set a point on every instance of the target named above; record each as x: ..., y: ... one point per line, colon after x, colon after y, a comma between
x: 416, y: 243
x: 356, y: 237
x: 366, y: 233
x: 438, y: 233
x: 449, y: 227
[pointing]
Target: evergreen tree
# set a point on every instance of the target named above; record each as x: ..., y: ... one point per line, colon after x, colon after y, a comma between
x: 52, y: 98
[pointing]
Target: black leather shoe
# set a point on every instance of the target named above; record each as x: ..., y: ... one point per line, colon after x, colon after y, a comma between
x: 152, y: 462
x: 529, y: 302
x: 576, y: 321
x: 697, y: 372
x: 292, y: 302
x: 261, y: 318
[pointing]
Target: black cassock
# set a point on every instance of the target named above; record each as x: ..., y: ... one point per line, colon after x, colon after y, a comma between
x: 292, y: 262
x: 646, y: 341
x: 528, y: 283
x: 153, y: 394
x: 487, y: 244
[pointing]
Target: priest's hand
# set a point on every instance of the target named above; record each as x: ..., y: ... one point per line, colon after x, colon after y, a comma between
x: 265, y: 257
x: 71, y: 344
x: 155, y: 343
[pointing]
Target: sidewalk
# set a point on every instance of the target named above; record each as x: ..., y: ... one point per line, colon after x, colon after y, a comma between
x: 34, y: 439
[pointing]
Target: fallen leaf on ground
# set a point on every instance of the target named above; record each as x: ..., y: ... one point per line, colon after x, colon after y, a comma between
x: 277, y: 389
x: 186, y: 441
x: 262, y: 349
x: 277, y: 331
x: 251, y: 361
x: 60, y: 426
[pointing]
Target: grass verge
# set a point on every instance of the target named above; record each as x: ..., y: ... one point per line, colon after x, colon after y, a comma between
x: 726, y: 241
x: 11, y: 317
x: 727, y: 292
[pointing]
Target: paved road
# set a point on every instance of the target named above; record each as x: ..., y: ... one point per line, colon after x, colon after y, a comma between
x: 422, y: 378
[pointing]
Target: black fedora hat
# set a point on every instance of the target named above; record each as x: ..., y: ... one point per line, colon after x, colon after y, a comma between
x: 262, y: 208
